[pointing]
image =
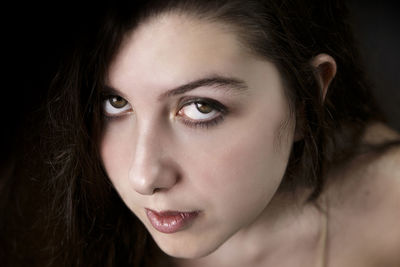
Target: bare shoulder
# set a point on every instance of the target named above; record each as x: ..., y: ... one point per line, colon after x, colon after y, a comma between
x: 383, y: 167
x: 366, y: 203
x: 386, y: 163
x: 380, y: 167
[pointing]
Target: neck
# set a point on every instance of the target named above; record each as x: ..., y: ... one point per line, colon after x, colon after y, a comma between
x: 287, y: 233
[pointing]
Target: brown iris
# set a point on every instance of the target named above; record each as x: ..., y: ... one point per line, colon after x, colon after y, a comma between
x: 118, y: 102
x: 203, y: 108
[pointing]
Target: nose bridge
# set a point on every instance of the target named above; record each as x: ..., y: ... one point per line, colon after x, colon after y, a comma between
x: 148, y: 142
x: 149, y: 169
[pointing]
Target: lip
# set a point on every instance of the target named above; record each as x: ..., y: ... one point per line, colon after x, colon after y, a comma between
x: 169, y: 222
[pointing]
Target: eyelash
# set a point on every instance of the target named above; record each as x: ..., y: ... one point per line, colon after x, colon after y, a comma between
x: 215, y: 105
x: 203, y: 124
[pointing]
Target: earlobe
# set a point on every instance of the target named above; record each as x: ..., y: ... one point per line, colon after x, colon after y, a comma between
x: 325, y: 71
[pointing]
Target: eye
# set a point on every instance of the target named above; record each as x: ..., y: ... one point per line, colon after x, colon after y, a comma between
x: 202, y: 113
x: 198, y: 111
x: 115, y: 105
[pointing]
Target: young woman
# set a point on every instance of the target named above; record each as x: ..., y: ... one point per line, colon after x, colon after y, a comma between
x: 216, y: 133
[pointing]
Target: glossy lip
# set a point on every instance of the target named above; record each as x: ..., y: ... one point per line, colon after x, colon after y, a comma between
x: 169, y: 222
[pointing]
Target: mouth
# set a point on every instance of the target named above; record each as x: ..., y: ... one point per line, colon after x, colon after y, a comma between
x: 169, y: 222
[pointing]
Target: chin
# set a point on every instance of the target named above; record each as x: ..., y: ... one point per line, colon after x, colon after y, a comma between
x: 184, y: 249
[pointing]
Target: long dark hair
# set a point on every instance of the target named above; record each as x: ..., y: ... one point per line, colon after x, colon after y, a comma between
x: 81, y: 220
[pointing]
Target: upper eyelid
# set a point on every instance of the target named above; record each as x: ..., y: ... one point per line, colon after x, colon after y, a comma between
x: 108, y: 91
x: 216, y: 105
x: 184, y: 100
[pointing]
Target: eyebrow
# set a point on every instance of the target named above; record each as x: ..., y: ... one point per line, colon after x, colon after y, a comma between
x: 228, y: 83
x: 214, y: 80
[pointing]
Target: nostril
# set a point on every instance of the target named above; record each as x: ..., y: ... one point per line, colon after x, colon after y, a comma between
x: 156, y: 190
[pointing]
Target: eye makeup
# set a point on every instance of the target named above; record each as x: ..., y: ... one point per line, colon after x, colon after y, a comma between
x: 114, y: 112
x: 213, y: 104
x: 115, y: 106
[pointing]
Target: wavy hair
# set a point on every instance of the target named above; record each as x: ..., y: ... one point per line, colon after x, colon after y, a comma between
x: 83, y: 220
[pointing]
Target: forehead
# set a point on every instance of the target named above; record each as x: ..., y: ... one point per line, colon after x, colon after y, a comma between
x: 173, y: 48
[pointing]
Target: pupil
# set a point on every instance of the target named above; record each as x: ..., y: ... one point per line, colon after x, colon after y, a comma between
x: 117, y: 102
x: 203, y: 108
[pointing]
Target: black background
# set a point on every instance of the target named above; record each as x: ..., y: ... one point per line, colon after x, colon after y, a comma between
x: 377, y: 29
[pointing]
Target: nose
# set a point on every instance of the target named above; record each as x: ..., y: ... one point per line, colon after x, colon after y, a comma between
x: 151, y: 169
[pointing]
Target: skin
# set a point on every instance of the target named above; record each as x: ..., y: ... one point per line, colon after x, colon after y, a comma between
x: 156, y: 161
x: 364, y: 205
x: 195, y: 169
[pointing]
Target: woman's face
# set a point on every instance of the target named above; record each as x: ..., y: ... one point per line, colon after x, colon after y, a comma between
x: 199, y: 164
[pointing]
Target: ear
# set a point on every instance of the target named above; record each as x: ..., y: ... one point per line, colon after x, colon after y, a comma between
x: 325, y: 71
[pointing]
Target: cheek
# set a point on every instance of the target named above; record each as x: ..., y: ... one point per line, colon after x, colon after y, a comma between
x: 115, y: 153
x: 247, y: 171
x: 250, y: 170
